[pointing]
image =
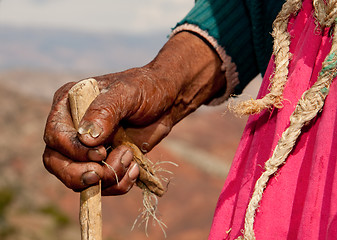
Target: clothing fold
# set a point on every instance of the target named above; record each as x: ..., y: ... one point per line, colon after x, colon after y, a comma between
x: 299, y: 201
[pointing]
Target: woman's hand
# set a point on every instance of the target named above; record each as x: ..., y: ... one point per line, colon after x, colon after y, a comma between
x: 145, y: 101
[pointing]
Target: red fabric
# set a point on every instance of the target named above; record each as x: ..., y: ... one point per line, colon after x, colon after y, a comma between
x: 300, y: 202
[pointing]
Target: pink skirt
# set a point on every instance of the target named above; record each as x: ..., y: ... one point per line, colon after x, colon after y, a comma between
x: 300, y: 201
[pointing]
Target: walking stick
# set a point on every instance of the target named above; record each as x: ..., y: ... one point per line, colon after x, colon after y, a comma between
x: 81, y: 96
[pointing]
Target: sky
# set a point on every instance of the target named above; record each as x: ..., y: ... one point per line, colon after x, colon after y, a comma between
x: 136, y: 16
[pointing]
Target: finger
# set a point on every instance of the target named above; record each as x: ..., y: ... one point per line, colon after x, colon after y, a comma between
x: 116, y: 165
x: 125, y: 184
x: 148, y: 137
x: 61, y: 135
x: 105, y: 113
x: 75, y: 175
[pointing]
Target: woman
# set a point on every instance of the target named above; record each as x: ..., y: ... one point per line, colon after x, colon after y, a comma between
x: 212, y: 53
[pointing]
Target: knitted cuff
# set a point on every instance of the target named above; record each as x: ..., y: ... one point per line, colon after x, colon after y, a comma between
x: 227, y: 66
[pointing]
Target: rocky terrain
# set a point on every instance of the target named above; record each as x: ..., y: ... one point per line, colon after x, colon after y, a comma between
x: 35, y: 205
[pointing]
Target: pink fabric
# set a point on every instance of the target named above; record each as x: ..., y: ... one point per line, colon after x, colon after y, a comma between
x: 300, y: 202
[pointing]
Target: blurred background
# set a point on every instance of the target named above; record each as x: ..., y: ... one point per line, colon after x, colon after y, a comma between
x: 44, y: 44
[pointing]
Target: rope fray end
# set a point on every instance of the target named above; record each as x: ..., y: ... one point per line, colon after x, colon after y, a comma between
x: 150, y: 200
x: 249, y: 107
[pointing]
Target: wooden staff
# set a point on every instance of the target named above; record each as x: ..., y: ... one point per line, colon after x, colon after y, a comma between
x: 81, y: 95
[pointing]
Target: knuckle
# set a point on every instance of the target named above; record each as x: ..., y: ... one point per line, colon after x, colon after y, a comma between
x: 51, y: 136
x: 103, y: 113
x: 46, y: 160
x: 47, y: 138
x: 48, y: 131
x: 70, y: 178
x: 54, y: 128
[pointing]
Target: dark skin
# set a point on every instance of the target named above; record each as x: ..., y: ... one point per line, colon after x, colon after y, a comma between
x: 146, y: 101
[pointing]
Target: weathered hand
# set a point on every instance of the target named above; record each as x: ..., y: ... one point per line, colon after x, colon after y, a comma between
x: 102, y: 119
x: 146, y: 101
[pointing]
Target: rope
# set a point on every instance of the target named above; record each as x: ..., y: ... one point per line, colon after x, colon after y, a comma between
x: 282, y: 56
x: 308, y: 106
x: 325, y: 13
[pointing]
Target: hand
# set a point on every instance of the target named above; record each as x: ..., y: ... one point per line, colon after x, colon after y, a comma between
x: 60, y: 134
x: 146, y: 101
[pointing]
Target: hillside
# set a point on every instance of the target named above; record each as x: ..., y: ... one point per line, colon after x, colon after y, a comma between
x: 76, y: 51
x: 35, y: 205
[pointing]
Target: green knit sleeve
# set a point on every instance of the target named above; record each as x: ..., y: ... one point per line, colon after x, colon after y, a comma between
x: 235, y: 27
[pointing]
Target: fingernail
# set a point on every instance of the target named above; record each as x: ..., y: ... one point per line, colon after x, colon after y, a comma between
x: 145, y: 146
x: 134, y: 172
x: 90, y: 128
x: 96, y: 154
x: 90, y: 178
x: 127, y: 158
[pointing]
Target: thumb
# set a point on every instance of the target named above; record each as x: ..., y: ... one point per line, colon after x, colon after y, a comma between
x: 104, y: 114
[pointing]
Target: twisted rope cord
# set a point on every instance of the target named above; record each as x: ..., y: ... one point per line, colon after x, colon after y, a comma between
x: 309, y: 105
x: 325, y: 13
x: 331, y: 12
x: 282, y: 56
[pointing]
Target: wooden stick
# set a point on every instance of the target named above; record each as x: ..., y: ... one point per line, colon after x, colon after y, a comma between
x: 81, y: 96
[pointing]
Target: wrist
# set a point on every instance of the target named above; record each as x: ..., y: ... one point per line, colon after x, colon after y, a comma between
x: 190, y: 72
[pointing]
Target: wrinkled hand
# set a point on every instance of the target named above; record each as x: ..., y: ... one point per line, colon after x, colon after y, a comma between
x: 76, y: 158
x: 145, y: 101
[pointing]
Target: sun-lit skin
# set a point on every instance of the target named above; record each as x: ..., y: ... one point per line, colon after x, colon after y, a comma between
x: 147, y: 101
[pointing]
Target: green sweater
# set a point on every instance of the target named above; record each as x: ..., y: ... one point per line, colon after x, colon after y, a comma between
x: 242, y: 28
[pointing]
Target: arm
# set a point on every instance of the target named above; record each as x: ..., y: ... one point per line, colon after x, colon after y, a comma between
x: 146, y: 101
